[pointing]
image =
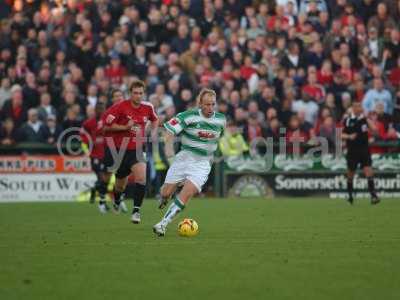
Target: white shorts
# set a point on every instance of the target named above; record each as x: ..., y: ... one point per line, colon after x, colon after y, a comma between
x: 188, y: 166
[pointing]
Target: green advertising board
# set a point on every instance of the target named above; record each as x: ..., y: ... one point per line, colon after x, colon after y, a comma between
x: 305, y: 176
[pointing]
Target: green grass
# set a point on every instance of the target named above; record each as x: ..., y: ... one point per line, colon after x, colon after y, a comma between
x: 246, y: 249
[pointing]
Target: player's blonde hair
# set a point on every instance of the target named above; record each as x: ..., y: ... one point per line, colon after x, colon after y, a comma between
x: 205, y: 91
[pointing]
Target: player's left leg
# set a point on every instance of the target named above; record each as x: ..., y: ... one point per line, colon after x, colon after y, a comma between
x: 352, y: 163
x: 102, y: 189
x: 350, y: 176
x: 129, y: 160
x: 96, y: 168
x: 119, y: 188
x: 139, y: 189
x: 369, y: 173
x: 188, y: 191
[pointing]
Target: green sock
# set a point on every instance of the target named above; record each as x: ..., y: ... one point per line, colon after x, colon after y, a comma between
x: 174, y: 208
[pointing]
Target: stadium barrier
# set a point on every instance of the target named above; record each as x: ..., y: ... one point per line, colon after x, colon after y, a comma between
x: 44, y: 177
x: 38, y: 173
x: 304, y: 176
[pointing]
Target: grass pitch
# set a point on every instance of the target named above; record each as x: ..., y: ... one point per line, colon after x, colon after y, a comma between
x: 246, y: 249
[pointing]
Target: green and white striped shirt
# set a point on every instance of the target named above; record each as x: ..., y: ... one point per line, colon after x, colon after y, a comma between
x: 200, y: 135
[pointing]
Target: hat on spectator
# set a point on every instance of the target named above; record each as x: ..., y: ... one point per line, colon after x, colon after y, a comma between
x: 15, y: 88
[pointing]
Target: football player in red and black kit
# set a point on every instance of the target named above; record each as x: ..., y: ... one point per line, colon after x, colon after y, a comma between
x: 93, y: 141
x: 355, y: 133
x: 124, y: 130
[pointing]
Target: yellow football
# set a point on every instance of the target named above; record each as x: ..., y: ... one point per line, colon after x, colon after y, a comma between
x: 188, y: 228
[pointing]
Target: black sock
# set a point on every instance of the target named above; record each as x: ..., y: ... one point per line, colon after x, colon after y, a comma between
x: 117, y: 197
x: 350, y: 187
x: 102, y: 189
x: 371, y: 186
x: 138, y: 195
x: 130, y: 191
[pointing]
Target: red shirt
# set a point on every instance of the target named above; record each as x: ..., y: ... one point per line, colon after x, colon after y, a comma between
x: 324, y: 78
x: 115, y: 74
x: 16, y: 111
x: 394, y: 76
x: 120, y: 113
x: 314, y: 91
x: 92, y: 135
x: 246, y: 72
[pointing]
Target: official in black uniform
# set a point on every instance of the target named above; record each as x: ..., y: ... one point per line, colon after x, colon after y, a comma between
x: 355, y: 133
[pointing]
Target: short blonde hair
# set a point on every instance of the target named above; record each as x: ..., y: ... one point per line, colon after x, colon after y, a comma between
x: 205, y: 91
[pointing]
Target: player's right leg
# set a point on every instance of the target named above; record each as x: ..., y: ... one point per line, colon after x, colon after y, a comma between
x: 369, y: 173
x: 196, y: 175
x: 188, y: 191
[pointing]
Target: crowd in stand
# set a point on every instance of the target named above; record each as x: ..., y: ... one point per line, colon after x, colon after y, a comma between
x: 296, y: 64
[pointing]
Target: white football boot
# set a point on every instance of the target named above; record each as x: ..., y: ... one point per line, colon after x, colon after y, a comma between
x: 122, y: 207
x: 103, y: 208
x: 135, y: 218
x: 159, y: 229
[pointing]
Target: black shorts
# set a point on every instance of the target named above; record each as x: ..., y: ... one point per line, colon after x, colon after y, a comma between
x: 362, y: 158
x: 97, y: 166
x: 125, y: 161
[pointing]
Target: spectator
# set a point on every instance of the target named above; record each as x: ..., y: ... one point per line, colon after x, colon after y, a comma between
x: 273, y: 129
x: 71, y: 119
x: 30, y: 92
x: 252, y: 108
x: 307, y: 5
x: 394, y: 75
x: 92, y: 95
x: 295, y: 136
x: 327, y: 130
x: 45, y: 109
x: 293, y: 60
x: 115, y: 71
x: 5, y: 91
x: 15, y: 107
x: 308, y: 106
x: 253, y: 128
x: 268, y: 99
x: 312, y: 88
x: 190, y: 58
x: 232, y: 144
x: 52, y: 130
x: 382, y: 19
x: 375, y: 44
x: 378, y: 94
x: 8, y: 133
x: 181, y: 42
x: 244, y: 50
x: 33, y: 130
